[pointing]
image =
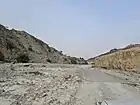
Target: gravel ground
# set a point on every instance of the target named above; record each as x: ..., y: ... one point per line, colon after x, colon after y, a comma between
x: 38, y: 84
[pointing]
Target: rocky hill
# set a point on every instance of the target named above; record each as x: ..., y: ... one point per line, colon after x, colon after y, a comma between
x: 127, y: 58
x: 111, y: 51
x: 19, y: 46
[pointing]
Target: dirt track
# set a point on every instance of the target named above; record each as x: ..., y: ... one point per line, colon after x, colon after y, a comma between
x: 99, y: 86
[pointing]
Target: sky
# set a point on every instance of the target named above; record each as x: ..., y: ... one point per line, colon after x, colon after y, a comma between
x: 80, y: 28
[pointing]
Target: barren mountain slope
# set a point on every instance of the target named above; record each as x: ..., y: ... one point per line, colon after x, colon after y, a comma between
x: 127, y: 58
x: 21, y: 45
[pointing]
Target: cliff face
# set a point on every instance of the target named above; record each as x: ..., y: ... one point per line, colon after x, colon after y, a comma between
x: 14, y: 43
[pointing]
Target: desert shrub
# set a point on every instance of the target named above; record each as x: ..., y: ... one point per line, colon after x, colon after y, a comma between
x: 73, y: 61
x: 9, y: 45
x: 61, y: 52
x: 22, y: 58
x: 49, y: 50
x: 48, y: 60
x: 1, y: 56
x: 30, y: 48
x: 65, y: 59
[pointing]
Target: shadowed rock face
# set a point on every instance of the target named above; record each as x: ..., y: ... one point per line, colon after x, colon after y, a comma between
x: 14, y: 43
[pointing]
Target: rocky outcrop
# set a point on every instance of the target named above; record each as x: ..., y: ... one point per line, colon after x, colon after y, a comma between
x: 14, y: 43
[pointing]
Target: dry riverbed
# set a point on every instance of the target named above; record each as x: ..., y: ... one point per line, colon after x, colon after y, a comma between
x: 54, y: 84
x: 38, y: 84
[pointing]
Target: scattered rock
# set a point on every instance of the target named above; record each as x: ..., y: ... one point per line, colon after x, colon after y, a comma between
x: 47, y: 85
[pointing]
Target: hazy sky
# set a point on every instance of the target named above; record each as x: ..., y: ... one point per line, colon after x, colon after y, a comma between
x: 77, y: 27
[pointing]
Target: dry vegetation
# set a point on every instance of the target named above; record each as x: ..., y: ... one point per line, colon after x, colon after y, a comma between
x: 128, y: 59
